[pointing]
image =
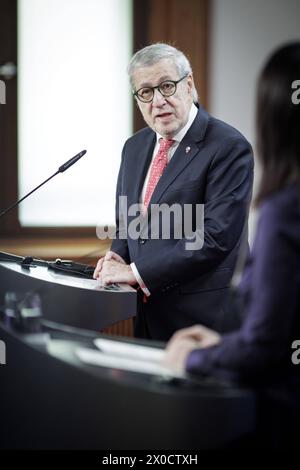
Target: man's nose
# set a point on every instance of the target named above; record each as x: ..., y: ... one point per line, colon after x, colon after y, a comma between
x: 158, y: 98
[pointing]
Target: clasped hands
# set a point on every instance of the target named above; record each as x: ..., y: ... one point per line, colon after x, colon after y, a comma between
x: 112, y: 268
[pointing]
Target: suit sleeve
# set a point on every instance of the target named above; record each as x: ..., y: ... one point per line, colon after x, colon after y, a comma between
x: 119, y: 244
x: 263, y: 344
x: 227, y: 197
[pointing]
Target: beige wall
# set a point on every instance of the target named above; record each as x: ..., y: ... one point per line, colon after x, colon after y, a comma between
x: 242, y: 34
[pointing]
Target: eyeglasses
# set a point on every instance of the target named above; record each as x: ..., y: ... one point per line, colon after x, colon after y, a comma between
x: 166, y: 88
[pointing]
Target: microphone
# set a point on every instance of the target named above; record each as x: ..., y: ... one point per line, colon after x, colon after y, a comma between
x: 61, y: 169
x: 71, y: 162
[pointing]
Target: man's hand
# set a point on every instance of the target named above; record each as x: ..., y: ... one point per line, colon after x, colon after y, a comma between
x: 112, y: 268
x: 109, y: 256
x: 114, y: 271
x: 185, y: 341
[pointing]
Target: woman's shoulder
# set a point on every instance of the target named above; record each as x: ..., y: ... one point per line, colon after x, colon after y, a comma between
x: 284, y: 203
x: 279, y: 219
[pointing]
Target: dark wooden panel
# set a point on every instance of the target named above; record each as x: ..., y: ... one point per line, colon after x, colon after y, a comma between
x: 183, y: 24
x: 122, y: 328
x: 8, y: 115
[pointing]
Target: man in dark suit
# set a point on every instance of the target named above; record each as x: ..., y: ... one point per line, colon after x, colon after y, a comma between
x: 188, y: 161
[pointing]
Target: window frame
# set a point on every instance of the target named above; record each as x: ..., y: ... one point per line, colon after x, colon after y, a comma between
x: 153, y: 21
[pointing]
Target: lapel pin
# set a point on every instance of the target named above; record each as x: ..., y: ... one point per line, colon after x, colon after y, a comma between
x: 187, y: 149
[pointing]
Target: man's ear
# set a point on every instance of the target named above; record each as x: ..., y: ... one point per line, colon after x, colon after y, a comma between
x: 190, y: 82
x: 138, y: 103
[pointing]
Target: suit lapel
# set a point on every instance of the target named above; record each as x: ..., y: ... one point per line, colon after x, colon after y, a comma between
x: 187, y: 150
x: 140, y: 167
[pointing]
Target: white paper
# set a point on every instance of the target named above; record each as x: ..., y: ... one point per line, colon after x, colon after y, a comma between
x: 129, y: 350
x: 97, y: 358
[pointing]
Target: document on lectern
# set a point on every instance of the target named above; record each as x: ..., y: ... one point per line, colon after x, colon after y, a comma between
x: 127, y: 356
x: 129, y: 350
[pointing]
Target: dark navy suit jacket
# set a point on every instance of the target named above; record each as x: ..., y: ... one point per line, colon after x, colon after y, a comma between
x: 213, y: 165
x: 261, y: 350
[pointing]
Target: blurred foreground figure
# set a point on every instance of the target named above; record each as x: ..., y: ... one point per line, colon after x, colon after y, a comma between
x: 262, y: 351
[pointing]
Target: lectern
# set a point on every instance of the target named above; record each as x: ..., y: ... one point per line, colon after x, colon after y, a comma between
x: 67, y: 299
x: 50, y: 399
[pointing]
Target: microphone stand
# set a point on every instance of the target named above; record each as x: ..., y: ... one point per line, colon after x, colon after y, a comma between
x: 61, y: 169
x: 24, y: 197
x: 59, y: 265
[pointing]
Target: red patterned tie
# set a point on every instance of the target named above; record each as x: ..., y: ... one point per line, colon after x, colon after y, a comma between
x: 158, y: 166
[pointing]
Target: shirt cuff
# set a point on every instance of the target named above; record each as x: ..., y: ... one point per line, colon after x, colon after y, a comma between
x: 139, y: 280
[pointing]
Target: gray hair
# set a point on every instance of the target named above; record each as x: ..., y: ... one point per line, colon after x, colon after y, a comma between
x: 152, y: 54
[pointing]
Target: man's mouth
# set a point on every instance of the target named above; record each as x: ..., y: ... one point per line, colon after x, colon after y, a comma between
x: 163, y: 115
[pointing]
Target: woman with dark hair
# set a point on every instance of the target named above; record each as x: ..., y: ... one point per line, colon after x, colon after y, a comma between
x: 261, y: 351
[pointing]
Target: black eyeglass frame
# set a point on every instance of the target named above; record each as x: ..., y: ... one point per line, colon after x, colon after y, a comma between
x: 157, y: 87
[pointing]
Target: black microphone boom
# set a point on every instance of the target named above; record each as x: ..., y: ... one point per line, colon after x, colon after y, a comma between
x: 61, y: 169
x: 71, y: 162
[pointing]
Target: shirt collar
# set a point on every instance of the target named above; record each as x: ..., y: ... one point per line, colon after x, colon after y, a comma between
x: 179, y: 136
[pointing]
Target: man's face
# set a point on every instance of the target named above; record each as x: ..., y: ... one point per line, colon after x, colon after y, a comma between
x: 165, y: 115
